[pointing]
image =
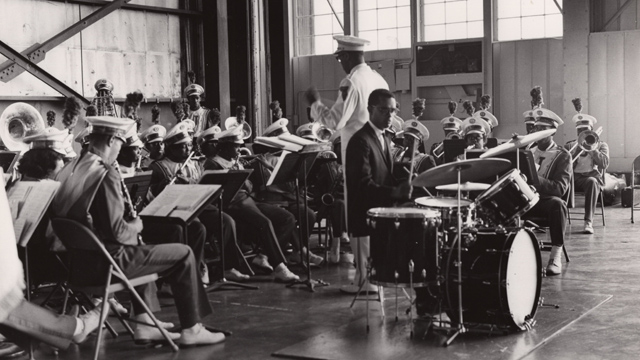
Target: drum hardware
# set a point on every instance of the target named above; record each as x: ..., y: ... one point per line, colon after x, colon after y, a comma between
x: 411, y: 265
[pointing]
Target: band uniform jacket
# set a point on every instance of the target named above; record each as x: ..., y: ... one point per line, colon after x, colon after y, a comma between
x: 369, y: 177
x: 554, y: 171
x: 599, y: 161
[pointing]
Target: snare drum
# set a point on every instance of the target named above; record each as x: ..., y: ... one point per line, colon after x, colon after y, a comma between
x: 448, y: 208
x: 507, y: 198
x: 501, y: 279
x: 399, y: 236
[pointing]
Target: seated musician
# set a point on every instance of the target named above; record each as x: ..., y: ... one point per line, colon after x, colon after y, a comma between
x: 589, y: 168
x: 153, y: 139
x: 91, y: 193
x: 484, y: 114
x: 286, y: 192
x: 413, y: 130
x: 554, y: 173
x: 178, y: 147
x: 529, y: 120
x: 451, y: 126
x: 475, y: 131
x: 273, y: 225
x: 129, y: 154
x: 330, y: 186
x: 370, y: 180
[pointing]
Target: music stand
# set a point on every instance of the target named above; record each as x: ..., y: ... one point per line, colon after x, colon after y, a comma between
x: 231, y: 182
x: 296, y: 167
x: 453, y: 148
x: 8, y: 160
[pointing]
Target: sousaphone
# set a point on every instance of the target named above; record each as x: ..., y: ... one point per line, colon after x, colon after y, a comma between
x: 18, y: 121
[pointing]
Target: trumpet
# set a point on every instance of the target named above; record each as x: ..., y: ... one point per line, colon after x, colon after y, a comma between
x: 439, y: 150
x: 587, y: 141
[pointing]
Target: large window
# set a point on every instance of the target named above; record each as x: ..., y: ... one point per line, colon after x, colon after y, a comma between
x: 386, y: 23
x: 316, y: 24
x: 527, y: 19
x: 451, y: 19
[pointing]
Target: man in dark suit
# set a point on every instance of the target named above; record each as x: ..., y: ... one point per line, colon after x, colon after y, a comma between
x: 370, y: 182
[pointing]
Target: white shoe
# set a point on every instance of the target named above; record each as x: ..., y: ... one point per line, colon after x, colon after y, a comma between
x: 588, y: 227
x: 315, y: 260
x: 198, y: 335
x: 235, y: 275
x: 554, y: 267
x: 262, y: 262
x: 144, y: 335
x: 334, y: 253
x: 283, y: 274
x: 90, y: 322
x: 205, y: 275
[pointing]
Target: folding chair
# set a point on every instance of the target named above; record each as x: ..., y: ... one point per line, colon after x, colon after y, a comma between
x: 81, y: 241
x: 635, y: 165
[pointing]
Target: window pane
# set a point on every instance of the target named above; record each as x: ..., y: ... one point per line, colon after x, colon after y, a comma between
x: 434, y: 33
x: 338, y: 5
x: 321, y: 7
x: 366, y: 4
x: 367, y: 20
x: 404, y: 2
x: 532, y: 27
x: 532, y: 7
x: 456, y: 31
x: 475, y: 29
x: 324, y: 44
x: 385, y: 3
x: 335, y: 25
x: 404, y: 37
x: 387, y: 39
x: 474, y: 10
x: 456, y: 12
x: 508, y: 29
x: 508, y: 8
x: 553, y: 25
x: 322, y: 25
x: 387, y: 18
x: 551, y: 8
x: 434, y: 14
x: 432, y: 1
x: 404, y: 16
x: 371, y: 36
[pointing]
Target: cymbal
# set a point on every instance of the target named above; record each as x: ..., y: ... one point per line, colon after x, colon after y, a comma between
x: 467, y: 186
x: 517, y: 142
x: 470, y: 170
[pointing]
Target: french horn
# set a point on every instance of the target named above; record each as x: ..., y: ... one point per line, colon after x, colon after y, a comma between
x: 17, y: 121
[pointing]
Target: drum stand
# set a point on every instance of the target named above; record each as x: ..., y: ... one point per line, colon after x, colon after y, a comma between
x: 380, y: 294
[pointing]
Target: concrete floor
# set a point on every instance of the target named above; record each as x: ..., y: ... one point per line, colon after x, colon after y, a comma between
x: 274, y: 317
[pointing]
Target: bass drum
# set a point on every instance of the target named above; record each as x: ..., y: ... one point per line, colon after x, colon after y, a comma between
x: 501, y: 278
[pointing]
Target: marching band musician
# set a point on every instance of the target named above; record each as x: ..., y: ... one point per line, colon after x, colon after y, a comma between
x: 241, y: 115
x: 484, y: 114
x: 536, y: 102
x: 44, y: 159
x: 92, y: 193
x: 450, y: 125
x: 475, y: 131
x: 330, y: 181
x: 554, y: 173
x: 176, y: 164
x: 422, y: 162
x: 370, y: 180
x: 129, y: 154
x: 273, y: 225
x: 529, y: 120
x: 153, y: 139
x: 83, y: 139
x: 590, y: 167
x: 201, y: 116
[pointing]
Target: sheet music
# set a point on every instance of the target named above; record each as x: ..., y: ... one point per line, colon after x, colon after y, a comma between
x: 276, y: 168
x: 180, y: 201
x: 278, y: 143
x: 29, y: 201
x: 296, y: 139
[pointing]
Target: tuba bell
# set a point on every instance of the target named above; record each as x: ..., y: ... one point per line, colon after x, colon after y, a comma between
x: 453, y: 136
x: 323, y: 133
x: 17, y: 121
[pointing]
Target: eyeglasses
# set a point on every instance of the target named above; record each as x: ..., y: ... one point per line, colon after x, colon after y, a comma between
x: 386, y: 111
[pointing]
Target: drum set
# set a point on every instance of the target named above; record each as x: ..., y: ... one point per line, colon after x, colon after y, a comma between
x: 473, y: 256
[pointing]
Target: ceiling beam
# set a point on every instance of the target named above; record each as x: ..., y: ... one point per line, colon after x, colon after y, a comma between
x: 617, y: 14
x: 156, y: 9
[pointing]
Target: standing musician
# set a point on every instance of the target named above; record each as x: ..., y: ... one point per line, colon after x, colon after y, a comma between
x: 201, y: 116
x: 178, y: 167
x: 370, y: 180
x: 422, y: 162
x: 589, y: 167
x: 330, y: 186
x: 272, y: 224
x: 451, y: 126
x: 92, y: 193
x: 554, y: 173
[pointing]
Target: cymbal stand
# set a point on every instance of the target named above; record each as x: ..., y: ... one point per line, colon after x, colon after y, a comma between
x: 461, y: 329
x: 411, y: 266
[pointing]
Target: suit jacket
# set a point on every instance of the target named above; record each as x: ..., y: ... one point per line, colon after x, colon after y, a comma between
x: 369, y: 177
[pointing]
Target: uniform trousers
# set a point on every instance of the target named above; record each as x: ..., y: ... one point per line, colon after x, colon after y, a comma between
x: 591, y: 188
x: 338, y: 217
x: 272, y: 225
x: 233, y: 258
x: 162, y: 233
x: 307, y: 224
x: 29, y: 321
x: 554, y: 210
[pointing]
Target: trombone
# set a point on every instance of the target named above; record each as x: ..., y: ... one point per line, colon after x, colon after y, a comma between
x: 440, y: 147
x: 587, y: 141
